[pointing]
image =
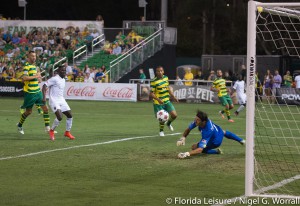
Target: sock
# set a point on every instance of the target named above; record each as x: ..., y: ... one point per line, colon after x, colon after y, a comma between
x: 69, y: 124
x: 55, y: 124
x: 22, y: 119
x: 170, y: 120
x: 242, y: 106
x: 211, y: 151
x: 46, y: 119
x: 161, y: 127
x: 232, y: 136
x: 39, y: 109
x: 227, y: 113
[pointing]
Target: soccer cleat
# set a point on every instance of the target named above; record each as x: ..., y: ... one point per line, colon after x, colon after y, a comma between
x: 236, y: 113
x: 230, y: 120
x: 161, y: 134
x: 51, y: 134
x: 47, y: 129
x: 20, y: 129
x: 221, y: 114
x: 170, y: 127
x: 219, y: 151
x: 69, y: 135
x: 243, y: 142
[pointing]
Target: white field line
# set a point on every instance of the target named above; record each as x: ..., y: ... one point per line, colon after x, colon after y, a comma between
x: 265, y: 189
x: 80, y: 146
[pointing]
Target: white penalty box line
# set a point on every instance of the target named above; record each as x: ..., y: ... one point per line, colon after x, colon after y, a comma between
x: 80, y: 146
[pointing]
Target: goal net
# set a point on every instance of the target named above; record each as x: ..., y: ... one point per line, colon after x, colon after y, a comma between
x: 273, y: 124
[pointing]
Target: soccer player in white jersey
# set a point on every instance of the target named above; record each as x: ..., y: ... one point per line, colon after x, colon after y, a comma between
x: 57, y: 102
x: 239, y: 87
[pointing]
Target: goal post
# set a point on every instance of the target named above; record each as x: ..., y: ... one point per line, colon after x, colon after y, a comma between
x: 272, y: 166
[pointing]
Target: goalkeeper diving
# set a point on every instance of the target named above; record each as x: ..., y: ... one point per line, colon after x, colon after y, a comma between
x: 212, y: 137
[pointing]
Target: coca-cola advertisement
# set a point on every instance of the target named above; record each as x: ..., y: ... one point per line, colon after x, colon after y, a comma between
x: 104, y: 91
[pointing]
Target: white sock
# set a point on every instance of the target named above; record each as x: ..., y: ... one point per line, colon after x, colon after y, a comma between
x: 69, y: 124
x: 240, y: 108
x: 55, y: 124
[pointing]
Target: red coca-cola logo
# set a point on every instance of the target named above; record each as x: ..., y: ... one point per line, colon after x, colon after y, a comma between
x: 123, y: 93
x: 87, y: 91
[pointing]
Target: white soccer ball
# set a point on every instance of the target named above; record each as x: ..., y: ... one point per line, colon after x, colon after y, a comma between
x: 162, y: 116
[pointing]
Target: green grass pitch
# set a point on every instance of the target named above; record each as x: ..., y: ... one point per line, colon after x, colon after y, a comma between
x: 117, y: 158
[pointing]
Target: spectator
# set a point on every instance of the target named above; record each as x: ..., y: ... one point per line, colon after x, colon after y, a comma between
x: 99, y: 75
x: 178, y: 81
x: 100, y: 19
x: 212, y: 76
x: 142, y: 76
x: 88, y: 78
x: 277, y: 83
x: 93, y: 73
x: 297, y: 81
x: 80, y: 77
x: 199, y: 75
x: 116, y: 49
x: 268, y: 84
x: 16, y: 38
x: 69, y: 71
x: 86, y: 69
x: 188, y: 76
x: 2, y: 43
x: 243, y: 72
x: 288, y: 80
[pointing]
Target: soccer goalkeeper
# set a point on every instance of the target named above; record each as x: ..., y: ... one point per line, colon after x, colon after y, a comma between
x: 212, y: 136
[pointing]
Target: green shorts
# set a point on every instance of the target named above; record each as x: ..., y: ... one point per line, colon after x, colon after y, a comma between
x: 31, y: 99
x: 225, y: 100
x: 168, y: 107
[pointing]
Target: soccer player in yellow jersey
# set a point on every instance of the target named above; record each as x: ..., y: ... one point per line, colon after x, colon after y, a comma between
x: 219, y: 86
x: 32, y: 92
x: 161, y: 93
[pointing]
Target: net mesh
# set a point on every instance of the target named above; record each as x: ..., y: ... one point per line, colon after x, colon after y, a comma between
x: 277, y: 124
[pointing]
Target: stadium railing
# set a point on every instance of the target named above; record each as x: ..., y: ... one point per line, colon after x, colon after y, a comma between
x: 135, y: 56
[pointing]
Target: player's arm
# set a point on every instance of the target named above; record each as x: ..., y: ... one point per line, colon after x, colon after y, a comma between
x: 199, y: 149
x: 172, y: 95
x: 214, y: 88
x: 156, y: 98
x: 25, y: 76
x: 44, y: 89
x: 181, y: 141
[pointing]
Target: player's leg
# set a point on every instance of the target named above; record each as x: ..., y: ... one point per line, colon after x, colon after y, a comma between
x: 39, y: 109
x: 43, y: 105
x: 27, y: 105
x: 222, y: 112
x: 55, y: 107
x: 242, y: 103
x: 173, y: 115
x: 156, y: 108
x: 230, y: 135
x: 67, y: 111
x: 230, y: 106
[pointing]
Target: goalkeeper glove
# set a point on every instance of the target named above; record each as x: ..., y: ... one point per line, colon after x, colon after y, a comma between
x: 181, y: 141
x: 183, y: 155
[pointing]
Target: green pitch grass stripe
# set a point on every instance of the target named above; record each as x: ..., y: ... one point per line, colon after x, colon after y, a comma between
x: 80, y: 146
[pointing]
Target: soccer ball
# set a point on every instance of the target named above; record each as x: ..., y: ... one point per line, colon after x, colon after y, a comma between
x: 162, y: 116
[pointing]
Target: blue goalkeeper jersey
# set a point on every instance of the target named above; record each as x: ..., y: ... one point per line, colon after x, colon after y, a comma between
x: 212, y: 134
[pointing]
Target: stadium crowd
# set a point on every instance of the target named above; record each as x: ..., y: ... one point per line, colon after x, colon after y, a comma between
x: 54, y: 44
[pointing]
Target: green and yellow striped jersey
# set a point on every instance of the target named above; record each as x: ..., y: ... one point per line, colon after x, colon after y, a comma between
x: 31, y: 86
x: 160, y: 87
x: 220, y: 84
